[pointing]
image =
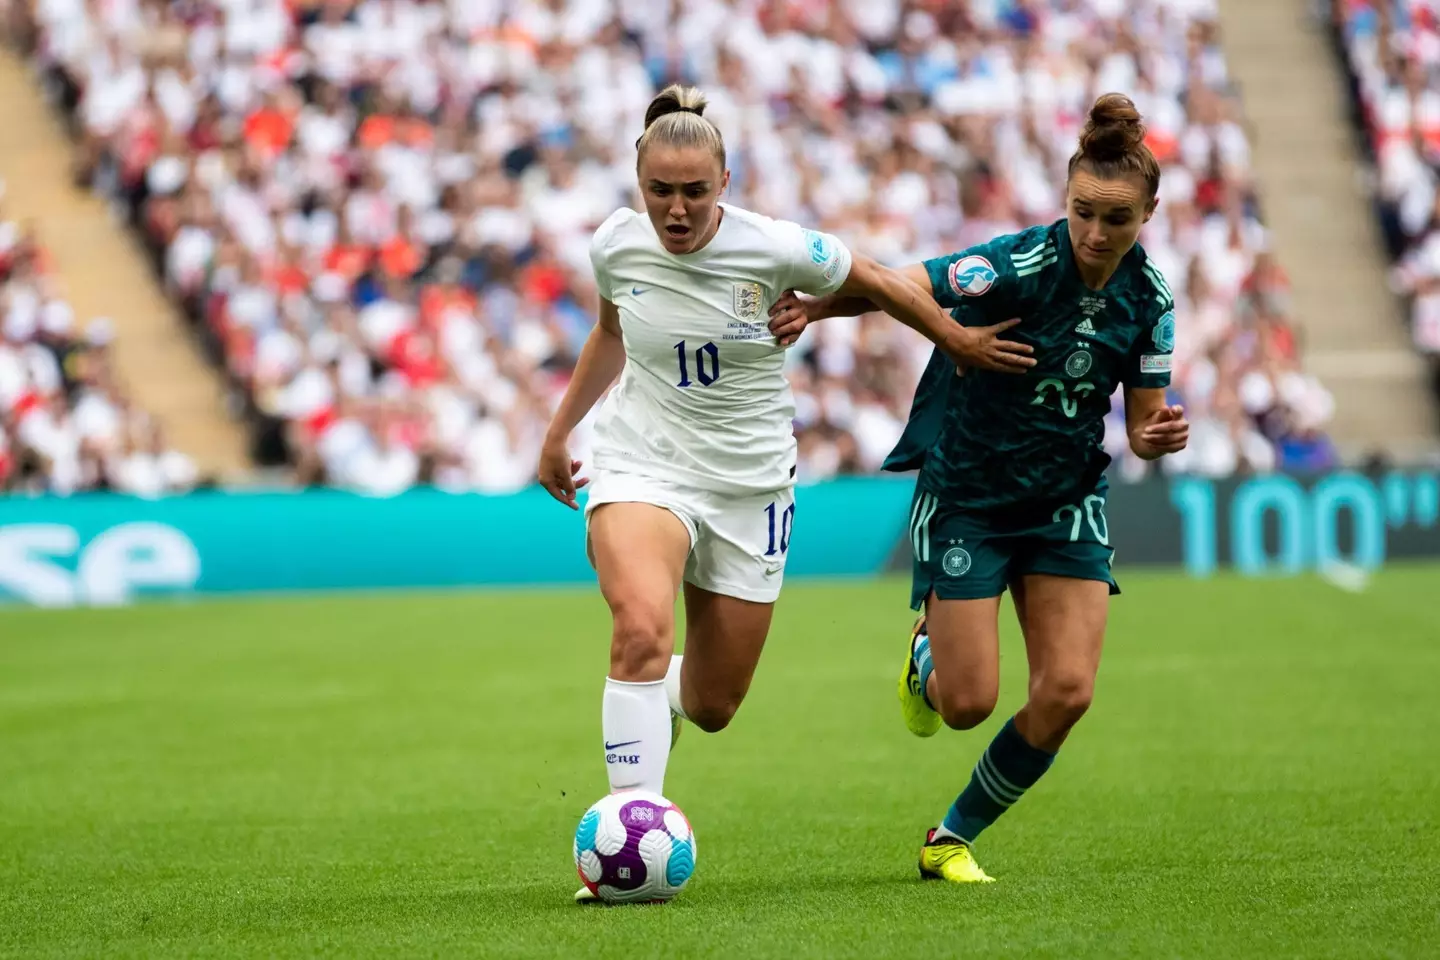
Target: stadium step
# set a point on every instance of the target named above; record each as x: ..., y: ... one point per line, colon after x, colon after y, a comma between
x: 103, y: 272
x: 1311, y: 177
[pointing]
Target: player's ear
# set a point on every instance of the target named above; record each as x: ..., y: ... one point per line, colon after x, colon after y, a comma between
x: 724, y: 181
x: 1150, y: 208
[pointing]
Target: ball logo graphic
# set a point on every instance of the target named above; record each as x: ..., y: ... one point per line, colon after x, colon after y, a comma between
x: 956, y: 561
x: 1079, y: 364
x: 971, y: 276
x: 634, y: 847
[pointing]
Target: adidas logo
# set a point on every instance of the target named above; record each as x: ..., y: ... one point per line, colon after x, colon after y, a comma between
x: 1085, y: 327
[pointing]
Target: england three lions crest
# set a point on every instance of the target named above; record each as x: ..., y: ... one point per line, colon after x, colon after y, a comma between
x: 747, y: 301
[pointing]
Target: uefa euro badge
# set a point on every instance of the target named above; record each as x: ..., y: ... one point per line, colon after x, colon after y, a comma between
x: 1164, y: 333
x: 972, y: 276
x: 747, y: 301
x: 1078, y: 364
x: 956, y: 561
x: 820, y: 252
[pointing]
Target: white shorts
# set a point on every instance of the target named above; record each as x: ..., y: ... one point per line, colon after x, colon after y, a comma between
x: 738, y: 544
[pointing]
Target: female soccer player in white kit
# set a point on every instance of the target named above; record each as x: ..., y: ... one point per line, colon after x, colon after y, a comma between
x: 694, y: 452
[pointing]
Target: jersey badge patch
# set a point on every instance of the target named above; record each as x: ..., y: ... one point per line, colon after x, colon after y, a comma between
x: 820, y: 251
x: 1078, y: 363
x: 747, y: 301
x: 971, y: 276
x: 1164, y: 333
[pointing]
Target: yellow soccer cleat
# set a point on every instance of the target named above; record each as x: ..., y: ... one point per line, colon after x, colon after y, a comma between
x: 950, y: 859
x: 920, y: 718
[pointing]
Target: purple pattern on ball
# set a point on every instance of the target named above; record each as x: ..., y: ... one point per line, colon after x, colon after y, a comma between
x: 626, y: 870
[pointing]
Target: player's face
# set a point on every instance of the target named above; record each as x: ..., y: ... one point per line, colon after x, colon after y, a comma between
x: 682, y: 187
x: 1105, y: 216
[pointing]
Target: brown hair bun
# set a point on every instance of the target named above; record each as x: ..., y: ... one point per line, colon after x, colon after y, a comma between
x: 1113, y: 130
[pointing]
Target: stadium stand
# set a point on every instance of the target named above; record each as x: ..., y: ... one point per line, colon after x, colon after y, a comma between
x: 376, y: 214
x: 67, y: 423
x: 1391, y: 51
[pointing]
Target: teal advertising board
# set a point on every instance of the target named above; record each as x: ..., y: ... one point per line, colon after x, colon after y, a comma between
x: 104, y: 549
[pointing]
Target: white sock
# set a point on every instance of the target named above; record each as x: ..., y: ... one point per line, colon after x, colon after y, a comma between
x: 636, y: 722
x: 672, y: 687
x: 943, y: 832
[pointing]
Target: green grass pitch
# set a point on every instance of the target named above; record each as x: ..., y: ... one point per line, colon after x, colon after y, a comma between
x: 402, y: 775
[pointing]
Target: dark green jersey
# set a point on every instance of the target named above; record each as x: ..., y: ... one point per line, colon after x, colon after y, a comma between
x: 995, y: 441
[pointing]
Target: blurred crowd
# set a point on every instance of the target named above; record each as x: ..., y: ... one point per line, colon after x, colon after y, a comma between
x: 66, y: 422
x: 1392, y: 51
x: 376, y: 213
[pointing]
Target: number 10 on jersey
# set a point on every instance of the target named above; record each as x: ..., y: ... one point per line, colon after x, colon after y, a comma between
x: 702, y: 354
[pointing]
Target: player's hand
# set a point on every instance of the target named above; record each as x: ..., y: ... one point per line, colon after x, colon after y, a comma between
x: 559, y: 474
x: 982, y: 348
x: 789, y: 316
x: 1165, y: 431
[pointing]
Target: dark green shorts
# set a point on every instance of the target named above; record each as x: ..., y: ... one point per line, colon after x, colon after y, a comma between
x: 962, y: 554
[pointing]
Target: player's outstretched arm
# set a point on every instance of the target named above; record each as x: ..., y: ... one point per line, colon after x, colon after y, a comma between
x: 1155, y: 427
x: 601, y: 360
x: 791, y: 314
x: 900, y: 295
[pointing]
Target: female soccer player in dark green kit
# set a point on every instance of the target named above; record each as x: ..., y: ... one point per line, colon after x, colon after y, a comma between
x: 1011, y: 491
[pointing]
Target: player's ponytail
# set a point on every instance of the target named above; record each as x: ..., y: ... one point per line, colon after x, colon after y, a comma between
x: 1112, y: 145
x: 675, y: 118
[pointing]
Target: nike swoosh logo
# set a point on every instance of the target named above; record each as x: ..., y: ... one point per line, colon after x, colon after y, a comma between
x: 617, y: 746
x: 636, y: 291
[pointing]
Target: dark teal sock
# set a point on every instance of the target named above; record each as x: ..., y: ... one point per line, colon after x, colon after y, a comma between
x: 1007, y: 768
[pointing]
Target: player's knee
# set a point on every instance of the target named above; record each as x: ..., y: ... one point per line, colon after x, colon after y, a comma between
x: 714, y: 713
x: 640, y: 644
x: 966, y: 709
x: 1063, y: 699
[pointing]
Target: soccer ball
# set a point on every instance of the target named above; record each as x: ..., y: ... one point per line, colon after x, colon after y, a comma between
x: 634, y: 847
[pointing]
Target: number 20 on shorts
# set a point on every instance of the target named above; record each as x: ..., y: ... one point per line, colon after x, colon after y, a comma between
x: 1092, y: 508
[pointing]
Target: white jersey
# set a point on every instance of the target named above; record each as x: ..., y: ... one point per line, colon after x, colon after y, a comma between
x: 703, y: 400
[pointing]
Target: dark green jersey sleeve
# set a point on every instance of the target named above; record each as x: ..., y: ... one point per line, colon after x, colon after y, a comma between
x: 993, y: 281
x: 1148, y: 365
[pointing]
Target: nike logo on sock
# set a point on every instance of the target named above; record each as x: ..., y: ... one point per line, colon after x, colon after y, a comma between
x: 617, y: 746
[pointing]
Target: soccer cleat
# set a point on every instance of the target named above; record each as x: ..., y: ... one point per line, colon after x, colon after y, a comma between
x: 950, y: 859
x: 920, y: 717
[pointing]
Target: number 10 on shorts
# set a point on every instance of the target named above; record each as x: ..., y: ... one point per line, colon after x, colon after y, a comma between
x: 786, y: 520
